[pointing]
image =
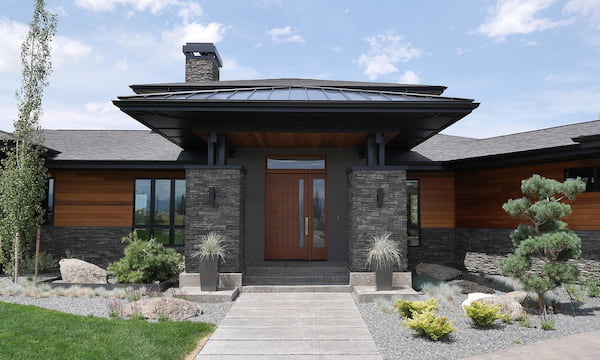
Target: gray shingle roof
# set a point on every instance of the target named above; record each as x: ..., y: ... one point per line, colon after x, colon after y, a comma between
x: 447, y: 148
x: 111, y: 145
x: 6, y: 136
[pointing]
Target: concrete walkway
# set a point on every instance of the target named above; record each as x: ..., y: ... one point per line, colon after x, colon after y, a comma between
x: 291, y: 326
x: 585, y: 346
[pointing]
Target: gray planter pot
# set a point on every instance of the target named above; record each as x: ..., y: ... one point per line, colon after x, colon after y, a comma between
x: 383, y: 278
x: 209, y: 274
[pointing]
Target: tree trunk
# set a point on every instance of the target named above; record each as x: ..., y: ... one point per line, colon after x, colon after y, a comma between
x: 16, y: 268
x: 37, y: 254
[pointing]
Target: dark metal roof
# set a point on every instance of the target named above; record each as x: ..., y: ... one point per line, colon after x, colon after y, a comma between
x: 229, y: 84
x: 181, y: 116
x: 292, y: 93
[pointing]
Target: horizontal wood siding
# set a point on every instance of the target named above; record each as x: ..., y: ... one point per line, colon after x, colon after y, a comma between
x: 481, y: 193
x: 437, y: 198
x: 98, y: 198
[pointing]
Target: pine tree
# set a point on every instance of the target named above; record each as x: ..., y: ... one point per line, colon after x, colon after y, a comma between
x: 545, y: 237
x: 24, y: 176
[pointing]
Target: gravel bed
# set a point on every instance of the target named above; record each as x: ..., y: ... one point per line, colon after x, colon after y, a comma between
x: 398, y: 342
x: 98, y: 306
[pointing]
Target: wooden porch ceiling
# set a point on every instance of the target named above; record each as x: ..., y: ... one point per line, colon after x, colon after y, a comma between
x: 288, y: 139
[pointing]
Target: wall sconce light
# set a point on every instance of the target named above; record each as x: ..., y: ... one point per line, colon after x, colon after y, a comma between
x: 212, y: 196
x: 380, y: 197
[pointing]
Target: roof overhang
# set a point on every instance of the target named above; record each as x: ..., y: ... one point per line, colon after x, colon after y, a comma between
x: 186, y: 118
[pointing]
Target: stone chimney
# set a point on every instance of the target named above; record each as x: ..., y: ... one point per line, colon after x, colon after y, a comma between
x: 202, y: 62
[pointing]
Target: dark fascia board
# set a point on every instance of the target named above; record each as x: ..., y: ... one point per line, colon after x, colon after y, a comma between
x: 119, y: 165
x: 244, y: 84
x: 561, y: 153
x: 588, y: 141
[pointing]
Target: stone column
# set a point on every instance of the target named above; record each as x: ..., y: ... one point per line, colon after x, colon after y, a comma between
x: 366, y: 218
x: 226, y: 217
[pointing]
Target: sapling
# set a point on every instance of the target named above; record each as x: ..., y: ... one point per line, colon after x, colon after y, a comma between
x: 544, y: 236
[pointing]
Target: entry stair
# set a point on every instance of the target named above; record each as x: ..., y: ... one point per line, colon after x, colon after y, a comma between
x: 292, y: 276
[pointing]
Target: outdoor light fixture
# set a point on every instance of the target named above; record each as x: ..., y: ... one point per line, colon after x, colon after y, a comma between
x: 212, y: 196
x: 380, y: 197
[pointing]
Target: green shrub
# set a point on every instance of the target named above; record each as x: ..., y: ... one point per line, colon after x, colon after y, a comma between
x: 592, y: 286
x: 407, y: 309
x: 483, y: 315
x: 429, y: 325
x: 146, y: 262
x: 526, y: 323
x: 46, y: 262
x: 547, y: 324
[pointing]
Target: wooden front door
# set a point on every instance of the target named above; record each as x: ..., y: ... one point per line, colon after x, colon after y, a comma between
x: 296, y: 223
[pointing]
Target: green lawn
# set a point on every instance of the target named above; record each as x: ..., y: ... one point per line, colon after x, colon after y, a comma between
x: 29, y: 332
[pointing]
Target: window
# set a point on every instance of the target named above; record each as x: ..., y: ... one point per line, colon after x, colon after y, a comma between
x: 285, y: 163
x: 589, y: 175
x: 49, y: 203
x: 413, y: 223
x: 159, y: 210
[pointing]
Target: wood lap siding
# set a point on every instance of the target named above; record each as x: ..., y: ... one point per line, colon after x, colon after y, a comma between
x: 481, y: 193
x: 437, y: 198
x: 98, y: 198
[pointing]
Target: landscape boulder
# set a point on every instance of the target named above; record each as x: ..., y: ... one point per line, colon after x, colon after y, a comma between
x: 438, y: 272
x: 75, y: 271
x: 153, y: 308
x: 468, y: 287
x: 510, y: 306
x: 473, y: 297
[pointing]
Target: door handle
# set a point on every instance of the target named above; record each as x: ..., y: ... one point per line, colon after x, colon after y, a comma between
x: 306, y: 225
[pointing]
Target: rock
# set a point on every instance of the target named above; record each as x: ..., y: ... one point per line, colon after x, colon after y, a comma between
x: 468, y: 287
x: 173, y: 308
x: 438, y: 272
x: 473, y: 297
x: 75, y: 271
x: 510, y: 306
x: 520, y: 296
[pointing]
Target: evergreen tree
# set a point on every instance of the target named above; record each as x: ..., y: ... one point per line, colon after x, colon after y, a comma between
x: 23, y: 177
x: 545, y: 237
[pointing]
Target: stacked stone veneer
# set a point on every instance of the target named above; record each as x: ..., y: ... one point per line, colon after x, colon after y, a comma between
x: 365, y: 218
x: 485, y: 248
x: 437, y: 246
x: 201, y: 69
x: 98, y: 245
x: 226, y: 217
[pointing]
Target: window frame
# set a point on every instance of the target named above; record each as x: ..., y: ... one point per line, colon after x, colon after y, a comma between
x: 49, y: 201
x: 152, y: 227
x: 592, y: 185
x: 417, y: 238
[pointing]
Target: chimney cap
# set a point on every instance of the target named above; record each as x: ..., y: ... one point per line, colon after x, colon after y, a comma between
x: 202, y: 50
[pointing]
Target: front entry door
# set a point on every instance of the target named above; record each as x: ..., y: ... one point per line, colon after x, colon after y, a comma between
x: 296, y: 223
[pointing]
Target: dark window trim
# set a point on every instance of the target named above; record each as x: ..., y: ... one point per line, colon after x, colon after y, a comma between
x: 593, y: 184
x: 408, y: 212
x: 151, y: 227
x: 49, y: 201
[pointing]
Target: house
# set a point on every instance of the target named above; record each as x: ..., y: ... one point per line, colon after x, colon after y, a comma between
x: 305, y: 170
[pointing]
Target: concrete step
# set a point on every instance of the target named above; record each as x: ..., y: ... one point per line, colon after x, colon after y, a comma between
x: 276, y: 271
x: 294, y: 288
x: 342, y: 279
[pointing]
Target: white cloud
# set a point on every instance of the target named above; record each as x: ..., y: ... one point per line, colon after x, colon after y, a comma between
x: 92, y: 115
x: 338, y: 49
x: 122, y: 64
x: 518, y: 17
x: 409, y: 77
x: 385, y: 51
x: 12, y: 34
x: 234, y: 71
x: 461, y: 51
x: 189, y: 10
x: 154, y: 6
x: 194, y: 32
x: 284, y: 35
x: 587, y: 8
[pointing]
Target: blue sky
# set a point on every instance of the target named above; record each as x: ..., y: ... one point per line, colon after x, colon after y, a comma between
x: 530, y: 63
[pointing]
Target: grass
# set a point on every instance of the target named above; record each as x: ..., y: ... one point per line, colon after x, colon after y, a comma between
x: 29, y: 332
